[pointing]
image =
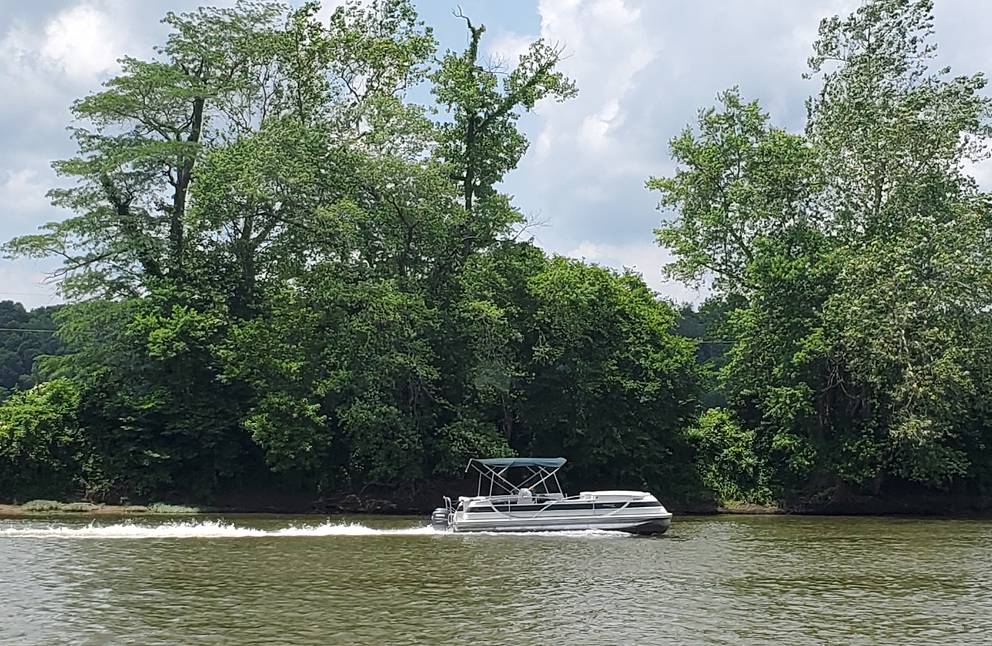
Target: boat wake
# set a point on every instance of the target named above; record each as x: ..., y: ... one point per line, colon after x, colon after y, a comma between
x: 205, y: 529
x: 221, y: 529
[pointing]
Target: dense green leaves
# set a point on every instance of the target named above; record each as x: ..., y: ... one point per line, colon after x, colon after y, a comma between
x: 25, y: 337
x: 286, y: 275
x: 739, y: 180
x: 41, y: 444
x: 861, y: 352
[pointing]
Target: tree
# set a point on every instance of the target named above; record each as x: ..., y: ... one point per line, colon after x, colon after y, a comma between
x: 739, y: 180
x: 481, y: 141
x: 860, y: 251
x: 141, y: 140
x: 19, y: 350
x: 609, y: 382
x: 41, y: 447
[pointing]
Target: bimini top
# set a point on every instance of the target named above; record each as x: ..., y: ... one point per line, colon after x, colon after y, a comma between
x: 503, y: 463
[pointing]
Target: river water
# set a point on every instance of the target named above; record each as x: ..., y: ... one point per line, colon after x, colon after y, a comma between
x: 306, y: 580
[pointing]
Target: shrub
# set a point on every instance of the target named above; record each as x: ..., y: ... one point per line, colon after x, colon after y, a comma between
x: 727, y: 460
x: 163, y: 508
x: 40, y: 442
x: 41, y: 505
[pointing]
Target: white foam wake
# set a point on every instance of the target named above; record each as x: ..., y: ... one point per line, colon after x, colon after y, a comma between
x: 205, y: 529
x: 222, y: 529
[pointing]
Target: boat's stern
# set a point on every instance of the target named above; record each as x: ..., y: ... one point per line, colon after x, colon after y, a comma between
x: 440, y: 519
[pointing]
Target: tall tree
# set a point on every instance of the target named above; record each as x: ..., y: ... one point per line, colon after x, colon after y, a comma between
x: 481, y: 141
x: 861, y: 252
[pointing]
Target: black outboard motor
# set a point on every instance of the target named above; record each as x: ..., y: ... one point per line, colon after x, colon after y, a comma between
x: 439, y: 519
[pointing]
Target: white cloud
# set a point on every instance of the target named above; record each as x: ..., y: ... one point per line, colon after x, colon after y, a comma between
x: 643, y: 70
x: 26, y: 281
x: 981, y: 171
x: 83, y: 42
x: 16, y: 45
x: 645, y: 258
x: 507, y: 47
x: 327, y: 7
x: 79, y: 45
x: 607, y: 45
x: 23, y: 191
x: 594, y: 133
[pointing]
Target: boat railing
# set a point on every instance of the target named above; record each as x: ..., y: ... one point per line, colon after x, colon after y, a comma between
x: 549, y: 502
x: 613, y: 510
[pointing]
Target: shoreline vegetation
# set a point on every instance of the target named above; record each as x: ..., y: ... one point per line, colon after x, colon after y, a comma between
x: 83, y: 508
x: 353, y: 505
x: 86, y: 510
x: 290, y: 271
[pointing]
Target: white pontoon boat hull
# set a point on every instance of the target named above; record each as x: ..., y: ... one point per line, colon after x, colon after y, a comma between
x: 643, y: 525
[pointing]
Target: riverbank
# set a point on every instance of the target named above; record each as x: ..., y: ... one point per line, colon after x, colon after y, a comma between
x: 354, y: 504
x: 52, y: 507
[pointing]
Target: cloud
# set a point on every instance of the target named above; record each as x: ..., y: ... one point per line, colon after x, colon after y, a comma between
x: 508, y: 46
x: 26, y: 281
x: 644, y: 258
x: 23, y: 192
x: 82, y: 42
x: 614, y: 47
x: 643, y: 69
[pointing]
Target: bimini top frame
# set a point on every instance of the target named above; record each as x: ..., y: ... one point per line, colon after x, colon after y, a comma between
x: 539, y: 472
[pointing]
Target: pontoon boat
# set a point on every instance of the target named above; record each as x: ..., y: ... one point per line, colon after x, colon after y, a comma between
x: 533, y: 502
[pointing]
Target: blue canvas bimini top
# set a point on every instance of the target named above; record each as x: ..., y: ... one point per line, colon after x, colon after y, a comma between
x: 502, y: 463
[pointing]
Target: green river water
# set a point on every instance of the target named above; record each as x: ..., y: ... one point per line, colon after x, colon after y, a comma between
x: 373, y: 580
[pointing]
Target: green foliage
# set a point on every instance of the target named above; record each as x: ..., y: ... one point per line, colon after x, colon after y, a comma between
x: 464, y: 439
x: 739, y: 180
x: 41, y: 505
x: 276, y: 258
x: 609, y: 380
x: 284, y: 272
x: 856, y: 255
x: 163, y: 508
x: 20, y: 350
x: 481, y: 141
x: 729, y: 458
x: 41, y: 443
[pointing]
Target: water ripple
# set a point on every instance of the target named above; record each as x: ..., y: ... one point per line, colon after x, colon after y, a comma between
x: 747, y: 580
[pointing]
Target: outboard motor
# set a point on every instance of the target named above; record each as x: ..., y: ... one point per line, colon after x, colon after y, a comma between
x: 439, y: 519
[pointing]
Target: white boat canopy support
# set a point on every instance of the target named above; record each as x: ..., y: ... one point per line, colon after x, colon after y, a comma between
x: 539, y: 473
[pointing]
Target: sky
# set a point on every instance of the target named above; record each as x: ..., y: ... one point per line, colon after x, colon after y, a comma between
x: 644, y: 69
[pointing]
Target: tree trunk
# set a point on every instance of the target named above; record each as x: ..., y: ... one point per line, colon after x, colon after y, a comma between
x: 183, y: 178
